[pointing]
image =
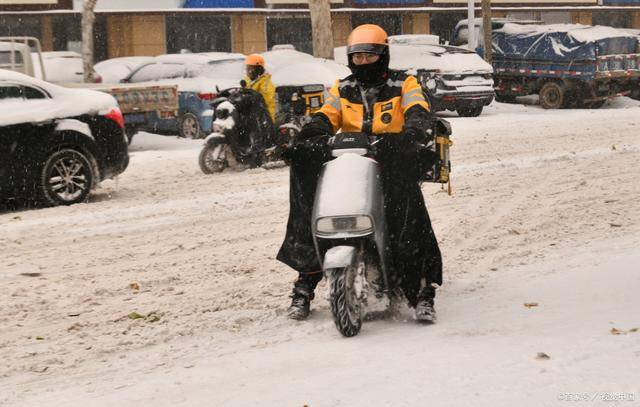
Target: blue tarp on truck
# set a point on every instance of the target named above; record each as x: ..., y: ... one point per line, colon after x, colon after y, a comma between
x: 568, y: 65
x: 558, y: 43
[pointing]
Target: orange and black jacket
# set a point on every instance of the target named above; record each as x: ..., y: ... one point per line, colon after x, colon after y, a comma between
x: 398, y: 105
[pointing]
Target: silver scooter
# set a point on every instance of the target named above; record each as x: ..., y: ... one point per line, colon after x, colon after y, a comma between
x: 349, y: 229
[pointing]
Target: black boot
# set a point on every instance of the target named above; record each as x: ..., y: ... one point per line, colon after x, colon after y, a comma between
x: 303, y: 294
x: 300, y: 304
x: 425, y: 311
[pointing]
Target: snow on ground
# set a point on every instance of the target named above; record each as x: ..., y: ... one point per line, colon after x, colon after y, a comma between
x: 544, y: 212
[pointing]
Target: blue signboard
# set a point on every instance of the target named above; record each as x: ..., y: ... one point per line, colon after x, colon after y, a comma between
x: 218, y: 4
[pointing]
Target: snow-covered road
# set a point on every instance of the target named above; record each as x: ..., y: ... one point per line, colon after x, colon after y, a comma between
x: 545, y: 210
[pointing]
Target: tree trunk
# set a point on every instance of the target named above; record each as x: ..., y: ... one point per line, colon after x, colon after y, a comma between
x: 321, y: 30
x: 486, y: 22
x: 88, y: 18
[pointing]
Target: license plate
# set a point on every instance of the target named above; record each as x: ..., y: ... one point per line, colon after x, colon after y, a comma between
x: 167, y: 114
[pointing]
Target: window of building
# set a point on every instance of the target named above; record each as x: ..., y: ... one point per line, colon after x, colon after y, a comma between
x: 294, y: 31
x: 612, y: 18
x: 198, y: 33
x: 391, y: 23
x: 442, y: 24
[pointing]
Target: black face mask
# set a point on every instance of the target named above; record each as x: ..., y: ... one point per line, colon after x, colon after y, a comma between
x: 371, y: 74
x: 254, y: 72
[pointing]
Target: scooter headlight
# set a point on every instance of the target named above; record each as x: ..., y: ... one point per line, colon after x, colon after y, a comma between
x: 343, y: 224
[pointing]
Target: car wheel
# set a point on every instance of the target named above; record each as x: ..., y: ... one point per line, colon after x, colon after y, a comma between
x: 470, y: 111
x: 190, y: 126
x: 67, y: 177
x: 552, y: 96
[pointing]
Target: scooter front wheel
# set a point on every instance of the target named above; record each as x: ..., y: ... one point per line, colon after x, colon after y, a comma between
x: 212, y: 159
x: 346, y: 305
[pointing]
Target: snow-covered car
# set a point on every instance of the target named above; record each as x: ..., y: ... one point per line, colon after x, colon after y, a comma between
x: 303, y: 74
x: 289, y: 67
x: 453, y: 78
x: 115, y: 70
x: 198, y: 76
x: 56, y: 144
x: 60, y: 66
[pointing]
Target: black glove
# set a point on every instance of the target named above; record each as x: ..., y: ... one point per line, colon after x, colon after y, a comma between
x: 313, y: 129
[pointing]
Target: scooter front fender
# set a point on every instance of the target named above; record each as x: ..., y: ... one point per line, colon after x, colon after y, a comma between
x: 214, y: 138
x: 339, y: 257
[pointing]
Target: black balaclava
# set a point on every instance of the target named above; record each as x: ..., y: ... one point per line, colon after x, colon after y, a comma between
x: 255, y: 71
x: 371, y: 74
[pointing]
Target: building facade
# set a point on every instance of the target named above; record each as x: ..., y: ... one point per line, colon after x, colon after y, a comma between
x: 248, y: 26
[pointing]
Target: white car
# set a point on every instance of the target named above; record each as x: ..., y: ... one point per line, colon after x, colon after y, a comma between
x: 453, y: 78
x: 60, y: 66
x: 114, y: 70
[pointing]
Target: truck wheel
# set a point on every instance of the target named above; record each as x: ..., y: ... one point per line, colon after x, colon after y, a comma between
x: 552, y: 96
x: 66, y: 178
x: 190, y: 126
x: 470, y: 111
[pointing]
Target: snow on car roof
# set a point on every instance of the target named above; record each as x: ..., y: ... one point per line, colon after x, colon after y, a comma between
x: 65, y: 102
x: 446, y: 59
x: 418, y: 39
x: 583, y: 33
x: 60, y: 54
x: 291, y: 67
x: 199, y: 58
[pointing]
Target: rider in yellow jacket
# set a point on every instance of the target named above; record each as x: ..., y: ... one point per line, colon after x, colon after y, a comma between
x: 260, y: 81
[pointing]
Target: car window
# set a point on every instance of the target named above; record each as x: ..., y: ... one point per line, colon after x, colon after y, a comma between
x: 154, y: 72
x: 5, y: 57
x: 10, y: 92
x: 32, y: 93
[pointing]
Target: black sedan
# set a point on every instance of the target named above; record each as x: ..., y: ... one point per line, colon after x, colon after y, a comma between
x: 56, y: 144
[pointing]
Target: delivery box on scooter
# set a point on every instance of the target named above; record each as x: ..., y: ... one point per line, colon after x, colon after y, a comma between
x: 313, y: 95
x: 440, y: 171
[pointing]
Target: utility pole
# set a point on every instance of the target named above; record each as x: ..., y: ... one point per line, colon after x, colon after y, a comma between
x: 321, y: 29
x: 88, y: 19
x: 486, y: 23
x: 471, y: 24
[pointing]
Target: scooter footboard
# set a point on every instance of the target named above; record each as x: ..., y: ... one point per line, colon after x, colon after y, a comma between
x: 339, y: 257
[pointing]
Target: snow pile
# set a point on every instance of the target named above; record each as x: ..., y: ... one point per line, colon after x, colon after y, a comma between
x: 64, y: 102
x: 290, y: 67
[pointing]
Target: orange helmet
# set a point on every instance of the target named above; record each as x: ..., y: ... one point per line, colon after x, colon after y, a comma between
x: 367, y: 38
x: 254, y: 60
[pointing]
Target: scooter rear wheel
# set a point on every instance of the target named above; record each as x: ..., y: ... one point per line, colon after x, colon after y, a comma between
x: 346, y: 307
x: 211, y: 159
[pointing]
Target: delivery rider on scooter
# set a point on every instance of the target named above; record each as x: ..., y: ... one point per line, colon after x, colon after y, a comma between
x: 377, y: 101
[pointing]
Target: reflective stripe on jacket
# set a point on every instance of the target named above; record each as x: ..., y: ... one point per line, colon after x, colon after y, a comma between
x: 346, y: 110
x: 264, y: 86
